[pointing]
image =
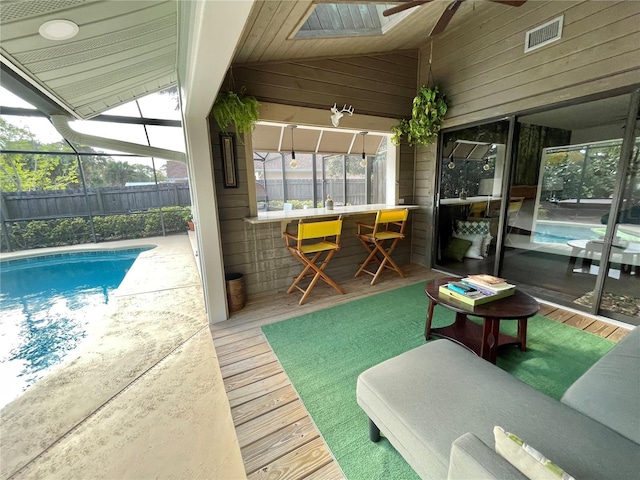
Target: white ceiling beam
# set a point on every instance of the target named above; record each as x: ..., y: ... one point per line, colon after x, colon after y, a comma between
x: 319, y: 140
x: 61, y: 124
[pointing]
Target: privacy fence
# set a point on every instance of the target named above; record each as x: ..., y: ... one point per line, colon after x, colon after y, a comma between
x: 301, y: 190
x: 63, y: 217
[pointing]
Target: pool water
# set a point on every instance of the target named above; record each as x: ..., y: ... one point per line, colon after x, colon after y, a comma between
x: 47, y: 306
x: 562, y: 233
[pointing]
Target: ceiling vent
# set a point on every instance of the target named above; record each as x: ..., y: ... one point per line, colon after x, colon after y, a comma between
x: 544, y: 34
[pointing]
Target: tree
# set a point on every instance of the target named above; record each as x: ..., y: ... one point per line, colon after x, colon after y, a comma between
x: 587, y: 172
x: 28, y: 171
x: 55, y: 171
x: 119, y: 173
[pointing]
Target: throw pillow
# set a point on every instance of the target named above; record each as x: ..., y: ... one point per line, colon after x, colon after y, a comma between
x: 486, y: 241
x: 527, y: 459
x: 456, y: 249
x: 475, y: 250
x: 467, y: 227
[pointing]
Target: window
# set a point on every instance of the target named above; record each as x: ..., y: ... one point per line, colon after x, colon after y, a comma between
x: 285, y: 182
x: 349, y: 20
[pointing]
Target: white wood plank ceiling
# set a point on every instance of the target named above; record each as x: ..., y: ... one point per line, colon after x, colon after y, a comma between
x: 272, y: 25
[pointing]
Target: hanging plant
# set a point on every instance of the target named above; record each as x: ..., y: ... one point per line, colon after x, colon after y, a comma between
x: 236, y: 108
x: 429, y: 109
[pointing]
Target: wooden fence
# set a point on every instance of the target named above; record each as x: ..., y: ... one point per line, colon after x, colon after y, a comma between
x: 49, y: 204
x: 303, y: 190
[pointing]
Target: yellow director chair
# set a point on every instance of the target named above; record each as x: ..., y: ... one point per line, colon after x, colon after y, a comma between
x: 312, y: 241
x: 389, y: 227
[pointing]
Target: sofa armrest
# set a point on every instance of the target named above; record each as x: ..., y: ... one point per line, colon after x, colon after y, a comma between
x: 472, y: 458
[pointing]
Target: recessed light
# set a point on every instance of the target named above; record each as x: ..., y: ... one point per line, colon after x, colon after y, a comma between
x: 58, y: 30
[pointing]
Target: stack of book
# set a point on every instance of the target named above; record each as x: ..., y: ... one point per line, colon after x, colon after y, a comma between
x: 478, y: 289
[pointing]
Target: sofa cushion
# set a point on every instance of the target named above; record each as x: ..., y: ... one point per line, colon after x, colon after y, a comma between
x: 609, y: 391
x: 427, y: 397
x: 527, y: 459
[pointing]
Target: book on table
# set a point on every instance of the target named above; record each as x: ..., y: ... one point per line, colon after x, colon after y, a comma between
x: 487, y: 279
x: 488, y: 282
x: 472, y: 295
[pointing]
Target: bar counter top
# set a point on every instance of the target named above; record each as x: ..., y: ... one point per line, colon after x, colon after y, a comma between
x: 291, y: 215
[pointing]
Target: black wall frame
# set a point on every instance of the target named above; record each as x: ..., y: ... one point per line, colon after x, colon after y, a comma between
x: 229, y: 159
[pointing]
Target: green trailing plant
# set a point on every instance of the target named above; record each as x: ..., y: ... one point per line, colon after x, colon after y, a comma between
x: 429, y: 109
x: 236, y: 108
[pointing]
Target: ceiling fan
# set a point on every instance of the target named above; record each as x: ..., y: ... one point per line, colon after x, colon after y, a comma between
x: 447, y: 15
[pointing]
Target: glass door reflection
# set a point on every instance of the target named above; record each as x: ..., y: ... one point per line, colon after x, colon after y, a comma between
x: 566, y: 164
x: 621, y: 293
x: 472, y: 163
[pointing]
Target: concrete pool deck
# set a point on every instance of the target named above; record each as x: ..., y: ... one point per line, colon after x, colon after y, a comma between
x: 144, y: 398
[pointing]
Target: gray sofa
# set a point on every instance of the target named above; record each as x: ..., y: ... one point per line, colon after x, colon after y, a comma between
x: 438, y: 404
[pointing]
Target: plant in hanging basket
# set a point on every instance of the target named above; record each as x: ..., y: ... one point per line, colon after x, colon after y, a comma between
x: 429, y: 109
x: 236, y: 108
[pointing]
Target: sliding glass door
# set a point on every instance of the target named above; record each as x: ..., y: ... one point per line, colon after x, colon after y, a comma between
x: 573, y: 200
x: 620, y: 297
x: 568, y: 159
x: 472, y: 166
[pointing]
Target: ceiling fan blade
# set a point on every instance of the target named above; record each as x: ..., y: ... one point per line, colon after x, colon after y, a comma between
x: 405, y: 6
x: 512, y: 3
x: 446, y: 17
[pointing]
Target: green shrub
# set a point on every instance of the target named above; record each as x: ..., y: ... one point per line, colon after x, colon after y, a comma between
x: 76, y: 230
x: 119, y: 227
x: 29, y: 235
x: 176, y: 218
x: 71, y: 231
x: 152, y: 223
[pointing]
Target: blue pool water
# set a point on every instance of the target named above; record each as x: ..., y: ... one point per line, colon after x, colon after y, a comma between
x: 562, y: 233
x: 47, y: 305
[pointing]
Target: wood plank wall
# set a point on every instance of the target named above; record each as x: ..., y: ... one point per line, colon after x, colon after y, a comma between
x: 481, y: 65
x: 424, y: 192
x: 381, y: 85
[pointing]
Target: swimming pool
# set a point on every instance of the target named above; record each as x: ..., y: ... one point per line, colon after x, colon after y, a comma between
x: 47, y: 306
x: 553, y: 232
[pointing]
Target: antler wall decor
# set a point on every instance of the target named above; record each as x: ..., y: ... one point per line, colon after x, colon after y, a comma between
x: 336, y: 114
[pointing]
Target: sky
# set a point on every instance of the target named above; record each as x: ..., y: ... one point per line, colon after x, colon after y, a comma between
x: 152, y: 106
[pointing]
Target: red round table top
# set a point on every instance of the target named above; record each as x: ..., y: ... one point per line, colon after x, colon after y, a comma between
x: 518, y: 305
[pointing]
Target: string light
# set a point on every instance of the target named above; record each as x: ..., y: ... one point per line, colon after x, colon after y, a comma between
x: 293, y: 163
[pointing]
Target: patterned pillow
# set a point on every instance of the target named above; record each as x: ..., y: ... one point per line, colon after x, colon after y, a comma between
x: 472, y: 228
x: 527, y: 459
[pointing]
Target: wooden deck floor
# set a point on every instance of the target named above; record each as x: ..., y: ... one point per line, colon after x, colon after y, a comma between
x: 277, y: 437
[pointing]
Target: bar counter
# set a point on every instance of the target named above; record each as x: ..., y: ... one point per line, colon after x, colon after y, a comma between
x: 291, y: 215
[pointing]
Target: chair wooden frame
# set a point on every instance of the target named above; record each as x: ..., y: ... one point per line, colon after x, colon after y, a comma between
x: 515, y: 204
x: 310, y: 253
x: 388, y: 227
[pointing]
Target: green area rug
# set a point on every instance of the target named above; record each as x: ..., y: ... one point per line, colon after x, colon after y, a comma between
x: 324, y: 352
